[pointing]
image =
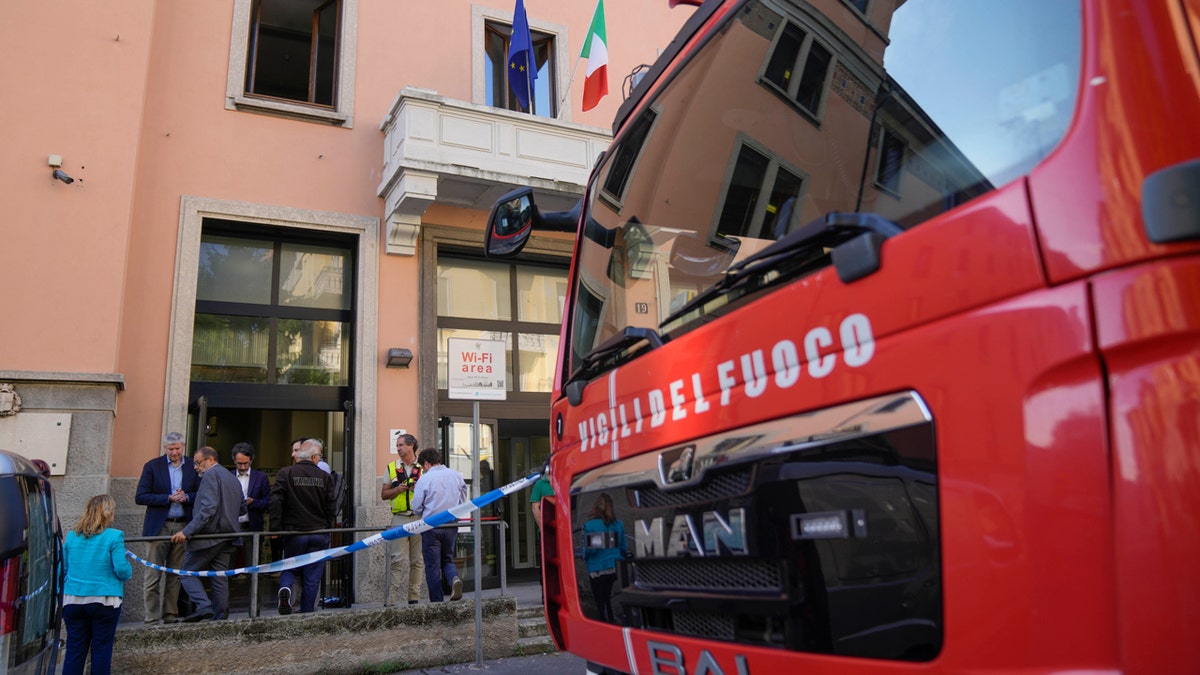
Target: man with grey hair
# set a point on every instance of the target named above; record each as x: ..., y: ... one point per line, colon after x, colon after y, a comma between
x: 167, y: 489
x: 302, y: 500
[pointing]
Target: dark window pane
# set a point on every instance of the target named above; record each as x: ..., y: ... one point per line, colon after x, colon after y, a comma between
x: 782, y: 205
x: 860, y: 5
x: 812, y: 83
x: 39, y: 573
x: 327, y: 39
x: 314, y: 276
x: 627, y: 153
x: 891, y: 158
x: 283, y: 45
x: 312, y: 352
x: 230, y: 348
x: 586, y: 322
x: 783, y: 60
x: 234, y: 270
x: 295, y: 331
x: 742, y: 196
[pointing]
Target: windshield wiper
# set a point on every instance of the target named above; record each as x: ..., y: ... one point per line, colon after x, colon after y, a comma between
x: 831, y: 231
x: 608, y: 356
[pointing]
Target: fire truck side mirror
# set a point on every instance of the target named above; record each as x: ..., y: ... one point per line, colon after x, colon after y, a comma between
x: 510, y: 224
x: 515, y: 216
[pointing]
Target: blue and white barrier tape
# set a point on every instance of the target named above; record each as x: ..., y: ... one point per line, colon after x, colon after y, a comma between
x: 444, y: 518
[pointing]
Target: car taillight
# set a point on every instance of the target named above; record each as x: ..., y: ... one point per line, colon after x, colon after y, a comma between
x: 10, y: 584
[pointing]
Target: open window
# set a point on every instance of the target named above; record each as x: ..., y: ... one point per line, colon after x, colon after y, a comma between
x: 293, y: 58
x: 543, y: 102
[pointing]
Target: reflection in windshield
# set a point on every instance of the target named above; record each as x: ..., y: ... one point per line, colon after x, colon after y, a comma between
x: 906, y: 111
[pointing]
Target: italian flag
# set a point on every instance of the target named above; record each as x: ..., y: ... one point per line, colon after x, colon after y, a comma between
x: 595, y: 50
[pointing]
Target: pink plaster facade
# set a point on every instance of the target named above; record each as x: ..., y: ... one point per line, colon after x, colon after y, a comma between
x: 132, y: 94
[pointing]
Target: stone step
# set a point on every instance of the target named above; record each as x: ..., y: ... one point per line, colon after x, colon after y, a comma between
x: 534, y: 612
x: 542, y: 644
x: 532, y: 627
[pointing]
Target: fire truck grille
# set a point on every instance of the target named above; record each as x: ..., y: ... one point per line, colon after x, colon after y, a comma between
x: 710, y: 575
x: 713, y: 626
x: 722, y: 486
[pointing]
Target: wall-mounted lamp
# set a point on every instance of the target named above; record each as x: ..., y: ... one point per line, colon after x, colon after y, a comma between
x: 62, y: 175
x: 399, y: 358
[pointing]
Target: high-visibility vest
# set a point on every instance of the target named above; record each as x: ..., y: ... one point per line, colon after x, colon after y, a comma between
x: 402, y: 502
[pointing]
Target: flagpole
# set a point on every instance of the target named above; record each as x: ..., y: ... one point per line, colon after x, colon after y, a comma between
x: 529, y: 79
x: 569, y: 83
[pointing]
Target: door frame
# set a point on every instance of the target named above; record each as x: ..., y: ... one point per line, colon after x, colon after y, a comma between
x: 193, y: 211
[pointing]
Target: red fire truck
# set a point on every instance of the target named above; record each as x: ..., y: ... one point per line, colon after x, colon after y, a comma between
x: 881, y: 352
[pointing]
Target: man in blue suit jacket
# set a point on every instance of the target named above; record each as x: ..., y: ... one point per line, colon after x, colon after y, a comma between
x: 167, y: 489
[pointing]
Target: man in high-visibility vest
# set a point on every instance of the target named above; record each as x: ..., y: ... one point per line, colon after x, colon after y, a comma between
x: 407, y: 563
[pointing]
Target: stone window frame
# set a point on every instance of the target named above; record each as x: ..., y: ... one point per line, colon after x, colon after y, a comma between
x: 235, y: 88
x: 367, y: 359
x: 811, y: 36
x: 775, y: 164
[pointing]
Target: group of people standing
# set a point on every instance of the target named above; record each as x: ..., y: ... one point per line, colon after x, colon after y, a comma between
x: 185, y: 500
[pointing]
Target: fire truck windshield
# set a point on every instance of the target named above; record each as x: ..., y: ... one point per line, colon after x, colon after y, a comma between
x: 786, y: 114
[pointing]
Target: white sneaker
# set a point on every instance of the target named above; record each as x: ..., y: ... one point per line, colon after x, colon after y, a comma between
x: 285, y: 600
x: 456, y: 585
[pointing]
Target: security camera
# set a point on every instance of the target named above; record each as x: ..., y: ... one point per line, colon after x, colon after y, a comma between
x: 62, y: 175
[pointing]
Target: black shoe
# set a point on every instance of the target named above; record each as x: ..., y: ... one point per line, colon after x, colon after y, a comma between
x: 201, y: 615
x: 456, y: 594
x: 285, y: 600
x: 413, y: 602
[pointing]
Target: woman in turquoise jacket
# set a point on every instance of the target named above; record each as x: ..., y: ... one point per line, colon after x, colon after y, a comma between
x: 603, y: 545
x: 96, y: 569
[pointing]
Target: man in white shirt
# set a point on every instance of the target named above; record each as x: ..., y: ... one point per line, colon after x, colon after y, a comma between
x: 439, y: 488
x: 256, y: 488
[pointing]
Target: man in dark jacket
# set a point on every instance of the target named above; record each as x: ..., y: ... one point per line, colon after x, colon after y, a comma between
x: 219, y: 504
x: 167, y: 489
x: 302, y: 500
x: 255, y: 486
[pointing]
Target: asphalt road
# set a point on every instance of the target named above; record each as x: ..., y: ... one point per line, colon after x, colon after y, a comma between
x: 559, y: 663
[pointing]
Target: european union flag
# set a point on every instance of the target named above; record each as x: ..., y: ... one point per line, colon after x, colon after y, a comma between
x: 522, y: 68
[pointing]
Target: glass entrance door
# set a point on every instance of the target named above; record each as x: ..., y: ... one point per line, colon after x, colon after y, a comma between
x: 457, y: 447
x: 522, y: 455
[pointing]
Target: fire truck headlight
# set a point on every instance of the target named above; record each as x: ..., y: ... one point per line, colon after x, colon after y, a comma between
x: 830, y: 525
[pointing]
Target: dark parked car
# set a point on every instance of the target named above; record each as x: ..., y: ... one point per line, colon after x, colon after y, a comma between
x: 30, y: 563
